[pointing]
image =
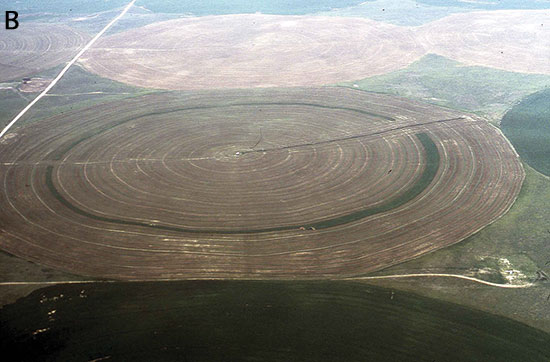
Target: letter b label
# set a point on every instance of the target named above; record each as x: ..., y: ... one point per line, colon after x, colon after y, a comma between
x: 11, y: 20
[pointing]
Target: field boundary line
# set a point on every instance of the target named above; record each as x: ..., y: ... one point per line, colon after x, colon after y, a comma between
x: 394, y: 276
x: 457, y: 276
x: 66, y: 68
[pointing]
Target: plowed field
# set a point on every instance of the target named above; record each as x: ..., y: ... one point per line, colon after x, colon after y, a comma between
x: 273, y: 183
x: 36, y: 47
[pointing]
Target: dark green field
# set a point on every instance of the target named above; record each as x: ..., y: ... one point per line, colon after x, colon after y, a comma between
x: 273, y: 321
x: 527, y: 125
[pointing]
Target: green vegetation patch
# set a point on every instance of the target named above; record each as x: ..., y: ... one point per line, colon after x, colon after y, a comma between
x: 445, y: 82
x: 252, y: 321
x: 527, y: 125
x: 77, y: 89
x: 489, y: 5
x: 220, y: 7
x: 92, y: 15
x: 190, y: 7
x: 414, y: 12
x: 398, y: 12
x: 11, y: 103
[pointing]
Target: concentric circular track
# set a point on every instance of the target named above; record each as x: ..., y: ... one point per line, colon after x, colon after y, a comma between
x: 302, y: 182
x: 36, y: 47
x: 252, y: 50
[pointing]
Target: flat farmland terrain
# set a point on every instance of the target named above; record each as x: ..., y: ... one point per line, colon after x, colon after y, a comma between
x: 240, y: 51
x: 316, y: 182
x: 36, y: 47
x: 255, y: 50
x: 513, y: 40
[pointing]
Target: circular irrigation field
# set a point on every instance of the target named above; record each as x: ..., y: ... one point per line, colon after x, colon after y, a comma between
x: 252, y: 50
x: 36, y: 47
x: 265, y: 183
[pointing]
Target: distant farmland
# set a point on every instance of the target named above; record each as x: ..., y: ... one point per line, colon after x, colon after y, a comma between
x: 272, y: 183
x: 242, y: 51
x: 257, y: 50
x: 36, y: 47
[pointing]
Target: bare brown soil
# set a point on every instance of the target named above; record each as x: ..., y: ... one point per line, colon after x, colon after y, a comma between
x: 241, y: 51
x: 36, y: 47
x: 237, y: 51
x: 229, y: 161
x: 512, y: 40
